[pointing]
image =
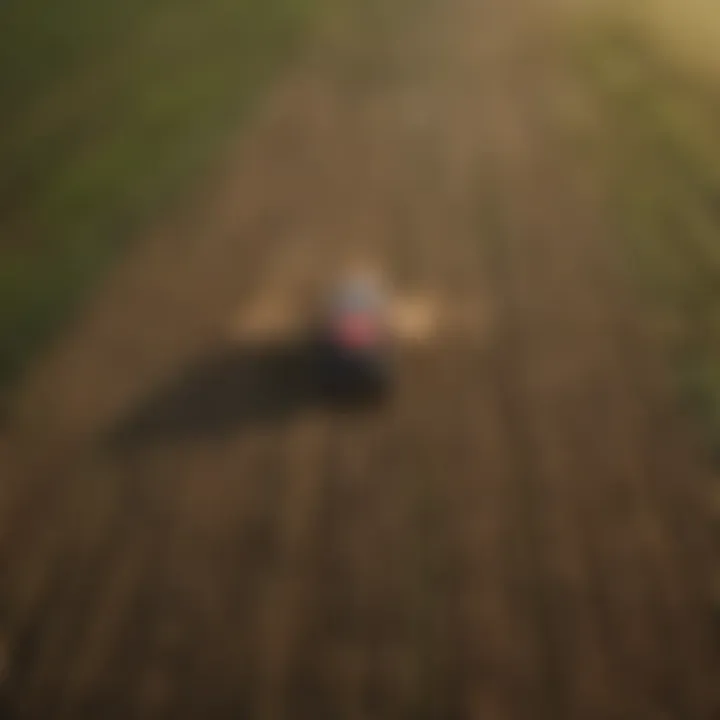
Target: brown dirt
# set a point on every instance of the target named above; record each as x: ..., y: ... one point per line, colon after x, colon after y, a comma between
x: 520, y: 533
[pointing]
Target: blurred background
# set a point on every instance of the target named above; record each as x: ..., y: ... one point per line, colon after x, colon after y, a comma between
x: 527, y: 527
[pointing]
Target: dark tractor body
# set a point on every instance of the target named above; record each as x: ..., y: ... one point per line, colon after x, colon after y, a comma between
x: 353, y: 343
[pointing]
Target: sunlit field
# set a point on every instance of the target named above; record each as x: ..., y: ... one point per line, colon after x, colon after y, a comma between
x: 655, y: 71
x: 207, y: 511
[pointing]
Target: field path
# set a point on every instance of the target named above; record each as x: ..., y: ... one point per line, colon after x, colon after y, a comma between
x: 520, y: 533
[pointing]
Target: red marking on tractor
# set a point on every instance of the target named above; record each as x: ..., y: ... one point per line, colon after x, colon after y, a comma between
x: 357, y: 330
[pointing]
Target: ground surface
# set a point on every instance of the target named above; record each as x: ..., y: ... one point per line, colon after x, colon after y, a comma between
x: 520, y: 533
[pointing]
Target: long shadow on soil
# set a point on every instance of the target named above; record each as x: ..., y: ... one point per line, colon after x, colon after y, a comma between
x: 221, y: 394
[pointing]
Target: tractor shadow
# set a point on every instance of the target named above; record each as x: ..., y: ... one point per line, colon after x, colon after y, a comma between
x: 250, y: 385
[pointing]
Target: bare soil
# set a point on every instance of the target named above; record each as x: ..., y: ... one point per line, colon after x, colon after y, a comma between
x: 520, y: 532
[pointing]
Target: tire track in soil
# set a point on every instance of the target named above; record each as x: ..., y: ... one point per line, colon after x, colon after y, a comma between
x: 283, y: 610
x: 521, y: 415
x: 559, y: 369
x: 417, y: 655
x: 216, y: 545
x: 676, y: 587
x: 54, y: 568
x: 569, y: 478
x: 593, y: 687
x: 539, y: 311
x: 476, y: 625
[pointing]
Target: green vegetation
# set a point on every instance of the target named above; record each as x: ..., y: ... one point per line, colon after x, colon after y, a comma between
x: 108, y: 109
x: 661, y: 112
